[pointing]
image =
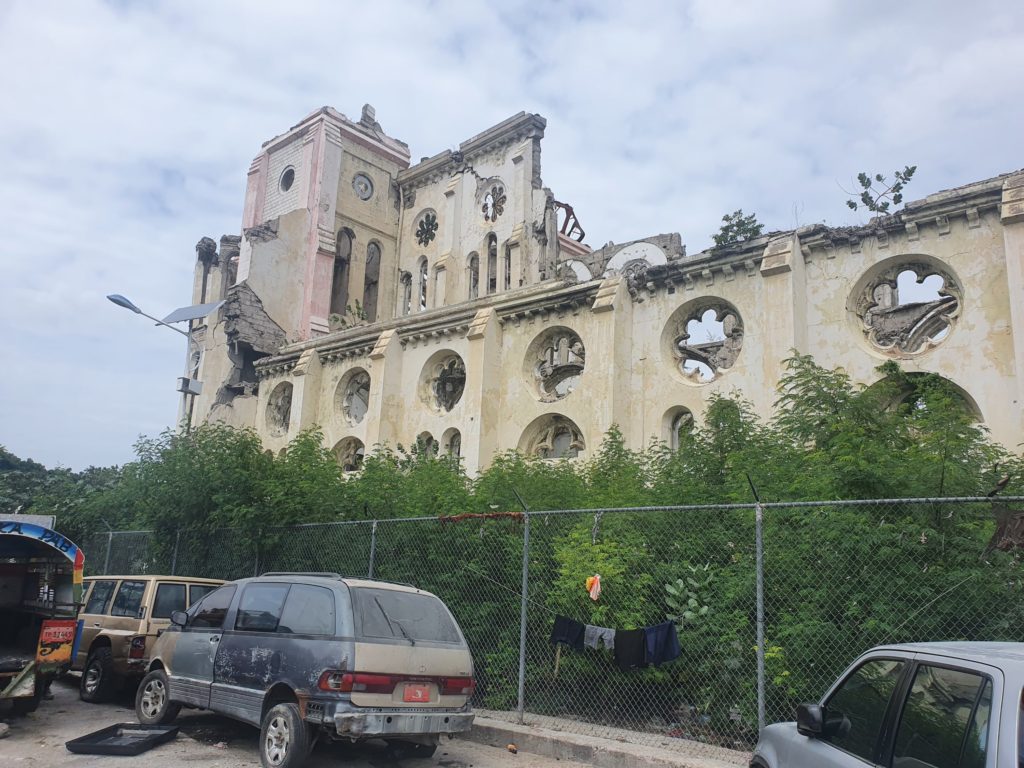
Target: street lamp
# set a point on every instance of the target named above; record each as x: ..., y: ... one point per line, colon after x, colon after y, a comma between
x: 188, y: 385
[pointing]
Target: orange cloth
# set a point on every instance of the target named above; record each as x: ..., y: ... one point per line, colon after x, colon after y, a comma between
x: 594, y: 586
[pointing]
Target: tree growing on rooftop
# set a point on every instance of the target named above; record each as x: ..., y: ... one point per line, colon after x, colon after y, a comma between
x: 878, y: 199
x: 736, y: 228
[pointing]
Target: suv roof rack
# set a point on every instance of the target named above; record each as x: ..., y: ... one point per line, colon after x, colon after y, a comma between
x: 321, y: 574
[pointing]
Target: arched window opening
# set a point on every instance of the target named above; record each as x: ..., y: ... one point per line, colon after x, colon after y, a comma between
x: 492, y: 263
x: 508, y: 266
x: 453, y: 444
x: 370, y: 281
x: 349, y: 454
x: 406, y: 281
x: 680, y: 425
x: 339, y: 280
x: 553, y: 437
x: 474, y: 276
x: 422, y: 300
x: 426, y: 444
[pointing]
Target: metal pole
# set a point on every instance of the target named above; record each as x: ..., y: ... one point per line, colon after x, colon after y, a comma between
x: 174, y: 557
x: 524, y: 597
x: 759, y: 549
x: 373, y: 549
x: 106, y: 563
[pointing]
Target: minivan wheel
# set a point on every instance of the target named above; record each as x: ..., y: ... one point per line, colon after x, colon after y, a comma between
x: 285, y: 740
x: 98, y: 676
x: 153, y: 705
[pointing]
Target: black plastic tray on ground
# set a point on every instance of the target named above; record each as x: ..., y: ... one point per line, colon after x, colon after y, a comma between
x: 122, y: 739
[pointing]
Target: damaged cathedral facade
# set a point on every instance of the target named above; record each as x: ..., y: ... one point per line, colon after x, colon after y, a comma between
x: 452, y: 303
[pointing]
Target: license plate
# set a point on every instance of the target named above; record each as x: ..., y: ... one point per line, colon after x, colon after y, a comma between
x: 416, y: 692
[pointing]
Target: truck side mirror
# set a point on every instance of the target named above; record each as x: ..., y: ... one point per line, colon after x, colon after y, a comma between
x: 179, y: 618
x: 810, y: 720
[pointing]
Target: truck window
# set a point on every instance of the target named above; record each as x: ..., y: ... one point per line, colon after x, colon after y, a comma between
x: 169, y: 598
x: 99, y: 598
x: 128, y: 599
x: 944, y: 722
x: 854, y: 712
x: 198, y: 591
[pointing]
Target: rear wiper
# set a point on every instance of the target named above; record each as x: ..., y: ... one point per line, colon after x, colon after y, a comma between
x: 391, y: 624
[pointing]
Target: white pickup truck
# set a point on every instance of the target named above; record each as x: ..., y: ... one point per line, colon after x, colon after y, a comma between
x: 919, y: 705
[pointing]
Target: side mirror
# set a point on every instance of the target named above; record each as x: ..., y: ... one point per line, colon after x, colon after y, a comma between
x: 179, y: 618
x: 810, y: 720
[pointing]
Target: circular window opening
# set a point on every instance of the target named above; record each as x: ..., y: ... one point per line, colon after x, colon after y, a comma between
x: 444, y: 381
x: 349, y: 454
x: 705, y: 338
x: 363, y: 186
x: 554, y: 363
x: 287, y: 179
x: 279, y: 409
x: 352, y: 397
x: 908, y: 308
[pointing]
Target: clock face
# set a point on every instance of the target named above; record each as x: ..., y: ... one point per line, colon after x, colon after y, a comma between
x: 363, y: 186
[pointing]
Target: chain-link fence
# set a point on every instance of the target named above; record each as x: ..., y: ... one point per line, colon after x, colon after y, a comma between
x: 819, y: 582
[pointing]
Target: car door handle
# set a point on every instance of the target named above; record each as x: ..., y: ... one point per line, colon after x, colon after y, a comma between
x: 214, y: 639
x: 96, y: 624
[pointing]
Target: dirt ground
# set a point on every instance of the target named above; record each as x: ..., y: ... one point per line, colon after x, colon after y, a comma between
x: 212, y: 741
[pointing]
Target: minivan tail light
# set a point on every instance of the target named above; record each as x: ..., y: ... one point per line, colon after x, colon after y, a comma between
x: 137, y: 650
x: 457, y: 686
x: 360, y: 682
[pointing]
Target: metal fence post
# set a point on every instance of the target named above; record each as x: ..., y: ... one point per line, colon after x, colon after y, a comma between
x: 373, y: 549
x: 106, y: 562
x: 759, y: 552
x: 174, y: 555
x: 521, y: 701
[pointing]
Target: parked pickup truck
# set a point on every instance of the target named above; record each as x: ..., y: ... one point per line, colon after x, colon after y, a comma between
x: 122, y: 617
x: 921, y: 705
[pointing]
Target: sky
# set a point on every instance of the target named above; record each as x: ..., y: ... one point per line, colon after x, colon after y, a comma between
x: 127, y: 129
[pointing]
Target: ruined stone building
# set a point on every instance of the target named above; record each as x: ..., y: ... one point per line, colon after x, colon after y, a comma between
x: 453, y: 302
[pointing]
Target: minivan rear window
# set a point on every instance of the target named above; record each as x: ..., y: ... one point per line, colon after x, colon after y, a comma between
x: 404, y: 615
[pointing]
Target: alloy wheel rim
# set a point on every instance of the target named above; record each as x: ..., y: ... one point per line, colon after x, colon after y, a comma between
x: 153, y: 698
x: 278, y: 740
x: 92, y: 677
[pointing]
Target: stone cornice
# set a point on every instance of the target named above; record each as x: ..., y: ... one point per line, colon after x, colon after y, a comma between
x: 516, y: 128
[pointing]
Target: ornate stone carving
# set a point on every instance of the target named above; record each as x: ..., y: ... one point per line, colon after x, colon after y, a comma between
x: 426, y: 230
x: 899, y: 325
x: 706, y: 339
x: 556, y: 438
x: 494, y: 203
x: 559, y: 363
x: 206, y: 251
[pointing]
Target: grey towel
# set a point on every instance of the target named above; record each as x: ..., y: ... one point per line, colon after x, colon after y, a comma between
x: 592, y: 635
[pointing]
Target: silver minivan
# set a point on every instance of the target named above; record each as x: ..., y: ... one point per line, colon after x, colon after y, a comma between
x: 304, y: 656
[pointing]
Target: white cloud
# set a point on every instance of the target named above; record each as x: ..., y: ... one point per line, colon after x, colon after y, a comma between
x: 128, y: 129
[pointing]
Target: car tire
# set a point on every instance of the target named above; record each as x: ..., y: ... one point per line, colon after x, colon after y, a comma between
x: 153, y: 705
x: 412, y: 749
x: 98, y: 678
x: 285, y: 739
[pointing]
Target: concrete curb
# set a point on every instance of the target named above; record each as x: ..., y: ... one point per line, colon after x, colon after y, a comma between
x: 592, y: 750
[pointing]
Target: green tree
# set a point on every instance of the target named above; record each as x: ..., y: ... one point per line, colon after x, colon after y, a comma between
x: 737, y: 228
x: 878, y: 199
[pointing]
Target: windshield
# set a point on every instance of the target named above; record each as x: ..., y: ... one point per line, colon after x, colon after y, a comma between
x: 404, y: 615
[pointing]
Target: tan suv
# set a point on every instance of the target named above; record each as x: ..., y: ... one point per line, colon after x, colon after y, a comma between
x: 122, y: 616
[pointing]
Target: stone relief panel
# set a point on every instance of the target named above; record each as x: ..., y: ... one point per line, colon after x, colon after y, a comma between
x: 554, y: 363
x: 350, y: 453
x: 352, y: 397
x: 443, y: 381
x: 279, y: 409
x: 704, y: 338
x: 909, y: 307
x: 553, y: 437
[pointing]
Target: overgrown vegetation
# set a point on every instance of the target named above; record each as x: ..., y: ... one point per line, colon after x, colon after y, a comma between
x: 737, y: 228
x: 838, y: 579
x: 878, y: 199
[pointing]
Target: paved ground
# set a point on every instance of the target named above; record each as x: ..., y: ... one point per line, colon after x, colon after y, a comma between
x: 211, y: 741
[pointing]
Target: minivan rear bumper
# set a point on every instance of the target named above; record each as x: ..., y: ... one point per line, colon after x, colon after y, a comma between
x: 374, y: 724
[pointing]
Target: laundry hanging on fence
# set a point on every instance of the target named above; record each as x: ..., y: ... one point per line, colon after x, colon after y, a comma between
x: 594, y: 637
x: 629, y: 649
x: 594, y: 586
x: 568, y: 632
x: 661, y: 643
